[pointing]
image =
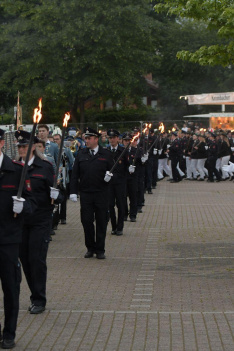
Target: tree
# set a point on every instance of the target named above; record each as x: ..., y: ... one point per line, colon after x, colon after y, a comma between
x: 70, y: 51
x: 217, y: 16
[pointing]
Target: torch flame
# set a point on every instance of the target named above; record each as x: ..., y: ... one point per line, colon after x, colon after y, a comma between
x: 144, y: 130
x: 135, y: 137
x: 150, y: 125
x: 66, y: 119
x: 173, y: 129
x: 37, y: 112
x: 161, y: 127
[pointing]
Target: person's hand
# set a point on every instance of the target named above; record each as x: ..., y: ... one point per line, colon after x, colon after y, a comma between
x: 54, y: 193
x: 144, y: 158
x: 168, y: 146
x: 206, y: 147
x: 18, y: 204
x: 131, y: 169
x: 232, y: 148
x: 73, y: 197
x: 108, y: 176
x: 159, y: 152
x: 155, y: 151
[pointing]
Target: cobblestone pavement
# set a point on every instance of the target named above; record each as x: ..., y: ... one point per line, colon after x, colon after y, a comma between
x: 166, y: 285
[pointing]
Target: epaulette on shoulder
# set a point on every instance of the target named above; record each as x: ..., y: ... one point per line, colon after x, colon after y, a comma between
x: 18, y: 163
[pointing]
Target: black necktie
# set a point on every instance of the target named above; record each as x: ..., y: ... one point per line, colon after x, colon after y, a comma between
x: 113, y: 150
x: 92, y: 153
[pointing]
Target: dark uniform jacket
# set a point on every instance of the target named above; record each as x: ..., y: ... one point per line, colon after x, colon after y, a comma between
x: 121, y: 169
x: 10, y: 227
x: 89, y: 171
x: 163, y: 146
x: 174, y: 149
x: 189, y: 147
x: 41, y: 175
x: 201, y: 151
x: 224, y: 149
x: 213, y: 149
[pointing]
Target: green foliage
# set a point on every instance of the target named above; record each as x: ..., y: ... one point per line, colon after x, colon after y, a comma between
x: 217, y: 16
x: 69, y: 51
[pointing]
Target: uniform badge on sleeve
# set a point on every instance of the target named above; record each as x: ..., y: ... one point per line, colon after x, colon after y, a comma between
x: 28, y: 185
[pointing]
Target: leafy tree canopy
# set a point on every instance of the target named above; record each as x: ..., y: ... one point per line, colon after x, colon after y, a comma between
x: 218, y: 16
x: 69, y: 51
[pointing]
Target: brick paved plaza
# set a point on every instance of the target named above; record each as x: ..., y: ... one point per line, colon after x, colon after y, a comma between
x: 166, y: 285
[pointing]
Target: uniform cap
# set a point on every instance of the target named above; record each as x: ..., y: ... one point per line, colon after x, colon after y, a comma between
x: 91, y: 132
x: 23, y: 137
x: 127, y: 136
x: 113, y: 133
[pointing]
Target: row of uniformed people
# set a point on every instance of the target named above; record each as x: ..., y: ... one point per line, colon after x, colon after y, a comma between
x: 25, y: 236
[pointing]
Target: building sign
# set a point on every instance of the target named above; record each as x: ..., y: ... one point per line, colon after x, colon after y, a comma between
x: 211, y: 99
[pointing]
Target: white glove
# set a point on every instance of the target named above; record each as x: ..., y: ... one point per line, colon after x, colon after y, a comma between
x: 144, y: 158
x: 131, y: 169
x: 232, y: 148
x: 18, y: 204
x: 108, y: 176
x: 168, y: 145
x: 184, y: 156
x: 206, y: 147
x: 73, y: 197
x: 160, y: 152
x: 155, y: 151
x: 54, y: 193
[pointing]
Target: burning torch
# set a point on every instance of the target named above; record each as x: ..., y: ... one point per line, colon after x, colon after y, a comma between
x: 36, y: 119
x: 65, y: 122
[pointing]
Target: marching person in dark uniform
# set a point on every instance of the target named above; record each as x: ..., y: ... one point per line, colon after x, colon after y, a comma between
x: 91, y: 176
x: 163, y: 156
x: 149, y: 139
x: 118, y: 183
x: 131, y: 184
x: 155, y: 156
x: 183, y: 145
x: 212, y: 158
x: 10, y: 238
x: 174, y: 156
x: 36, y: 229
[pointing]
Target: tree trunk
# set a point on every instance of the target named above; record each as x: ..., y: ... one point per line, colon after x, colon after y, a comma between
x: 74, y: 110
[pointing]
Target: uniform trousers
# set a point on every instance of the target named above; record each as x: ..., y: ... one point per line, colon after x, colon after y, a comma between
x: 188, y: 167
x: 10, y: 275
x: 94, y: 207
x: 175, y: 172
x: 224, y: 161
x: 132, y: 194
x: 163, y: 166
x: 117, y: 197
x: 33, y: 254
x: 149, y: 173
x: 201, y: 167
x: 194, y: 167
x: 212, y: 170
x: 155, y: 171
x: 140, y: 187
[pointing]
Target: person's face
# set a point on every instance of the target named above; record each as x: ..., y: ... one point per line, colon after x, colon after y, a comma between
x: 194, y: 137
x: 57, y: 139
x: 134, y: 143
x: 113, y: 141
x: 2, y: 142
x: 91, y: 142
x: 125, y: 142
x: 40, y: 147
x: 23, y: 149
x: 43, y: 133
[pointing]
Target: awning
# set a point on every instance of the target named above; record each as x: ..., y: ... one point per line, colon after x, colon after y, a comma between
x: 211, y: 99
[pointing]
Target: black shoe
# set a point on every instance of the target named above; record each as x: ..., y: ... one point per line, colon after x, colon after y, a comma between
x: 55, y: 227
x: 100, y: 256
x: 50, y: 238
x: 88, y: 254
x: 218, y: 180
x: 150, y: 192
x: 52, y: 232
x: 174, y: 181
x: 201, y: 179
x: 143, y: 204
x: 125, y: 218
x: 169, y: 179
x: 37, y: 309
x: 8, y: 344
x: 30, y: 307
x: 132, y: 219
x: 119, y: 232
x: 63, y: 221
x: 153, y: 187
x: 139, y: 210
x: 210, y: 180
